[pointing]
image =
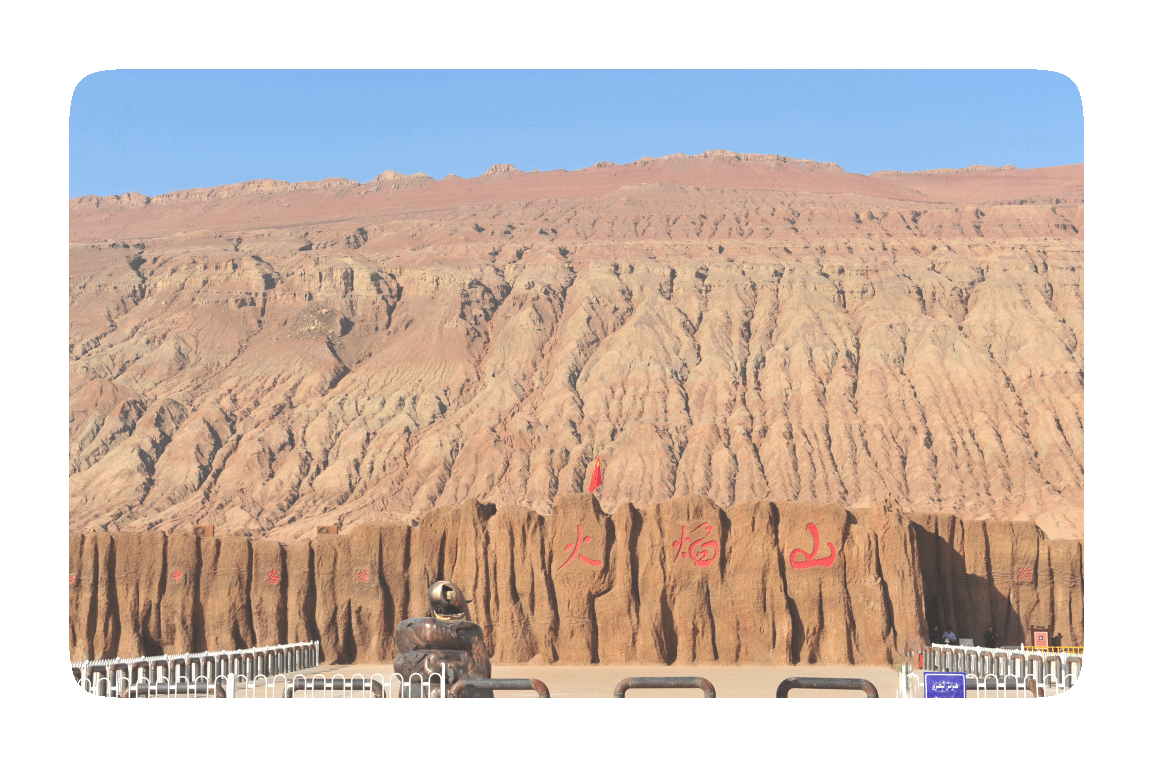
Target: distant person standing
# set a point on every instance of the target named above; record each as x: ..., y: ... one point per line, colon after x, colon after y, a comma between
x: 949, y: 638
x: 990, y: 640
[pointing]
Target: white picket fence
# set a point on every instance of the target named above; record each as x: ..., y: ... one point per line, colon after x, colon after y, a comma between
x: 1055, y: 671
x: 108, y: 677
x: 279, y: 686
x: 338, y: 686
x: 911, y: 685
x: 274, y: 671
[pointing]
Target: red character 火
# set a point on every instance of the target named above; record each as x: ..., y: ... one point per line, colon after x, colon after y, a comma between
x: 577, y: 548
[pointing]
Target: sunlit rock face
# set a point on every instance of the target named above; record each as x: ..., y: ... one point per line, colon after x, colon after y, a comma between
x: 268, y: 357
x: 682, y: 581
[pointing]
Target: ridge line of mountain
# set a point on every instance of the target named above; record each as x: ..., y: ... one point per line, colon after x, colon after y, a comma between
x: 775, y: 161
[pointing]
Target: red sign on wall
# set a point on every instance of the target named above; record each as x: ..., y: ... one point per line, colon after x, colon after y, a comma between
x: 702, y: 555
x: 799, y: 558
x: 576, y: 547
x: 1041, y: 639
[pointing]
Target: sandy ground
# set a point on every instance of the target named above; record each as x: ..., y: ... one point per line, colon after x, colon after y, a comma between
x: 591, y: 682
x: 599, y: 681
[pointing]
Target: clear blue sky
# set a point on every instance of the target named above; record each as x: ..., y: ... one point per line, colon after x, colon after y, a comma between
x: 163, y: 130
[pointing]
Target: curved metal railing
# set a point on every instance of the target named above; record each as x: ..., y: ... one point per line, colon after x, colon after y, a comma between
x: 110, y: 677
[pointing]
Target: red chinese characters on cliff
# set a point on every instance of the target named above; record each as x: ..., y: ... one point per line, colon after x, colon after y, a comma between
x: 361, y: 575
x: 273, y: 577
x: 700, y: 552
x: 176, y: 575
x: 810, y: 559
x: 1025, y: 574
x: 576, y: 547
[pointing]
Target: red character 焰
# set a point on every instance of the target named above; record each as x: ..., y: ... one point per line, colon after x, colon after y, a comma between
x: 695, y: 550
x: 362, y: 575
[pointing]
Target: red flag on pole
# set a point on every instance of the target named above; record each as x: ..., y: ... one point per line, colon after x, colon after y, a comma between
x: 595, y: 481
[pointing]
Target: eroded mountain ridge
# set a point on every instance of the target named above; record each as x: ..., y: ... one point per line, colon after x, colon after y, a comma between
x: 271, y: 356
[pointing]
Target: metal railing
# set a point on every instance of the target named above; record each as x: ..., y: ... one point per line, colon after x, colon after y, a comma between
x: 1001, y: 688
x: 288, y: 686
x: 665, y: 682
x: 110, y: 677
x: 356, y: 686
x: 1078, y: 649
x: 1009, y: 685
x: 1055, y: 670
x: 500, y: 684
x: 827, y: 684
x: 181, y: 688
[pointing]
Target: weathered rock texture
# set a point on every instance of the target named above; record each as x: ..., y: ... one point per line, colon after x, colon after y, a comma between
x: 681, y: 581
x: 267, y: 357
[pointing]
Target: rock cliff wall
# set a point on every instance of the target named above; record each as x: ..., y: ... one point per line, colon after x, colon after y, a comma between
x: 678, y: 582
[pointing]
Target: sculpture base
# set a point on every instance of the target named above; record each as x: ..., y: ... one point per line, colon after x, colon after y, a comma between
x: 458, y: 665
x: 426, y: 643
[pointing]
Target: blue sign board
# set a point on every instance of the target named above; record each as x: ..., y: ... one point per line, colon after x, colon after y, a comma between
x: 945, y: 685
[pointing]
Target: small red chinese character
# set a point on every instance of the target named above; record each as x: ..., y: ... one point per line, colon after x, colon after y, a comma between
x: 176, y: 575
x: 1025, y: 574
x: 691, y: 550
x: 577, y: 548
x: 71, y: 579
x: 362, y: 575
x: 274, y: 576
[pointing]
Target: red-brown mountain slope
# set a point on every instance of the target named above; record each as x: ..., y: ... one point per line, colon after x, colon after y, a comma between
x: 269, y: 356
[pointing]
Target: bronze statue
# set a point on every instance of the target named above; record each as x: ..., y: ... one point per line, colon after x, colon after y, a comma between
x: 444, y: 636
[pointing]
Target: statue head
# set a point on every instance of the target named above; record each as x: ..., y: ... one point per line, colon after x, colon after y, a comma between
x: 447, y: 601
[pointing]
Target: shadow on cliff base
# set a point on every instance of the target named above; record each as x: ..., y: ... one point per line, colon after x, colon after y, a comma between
x: 963, y: 602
